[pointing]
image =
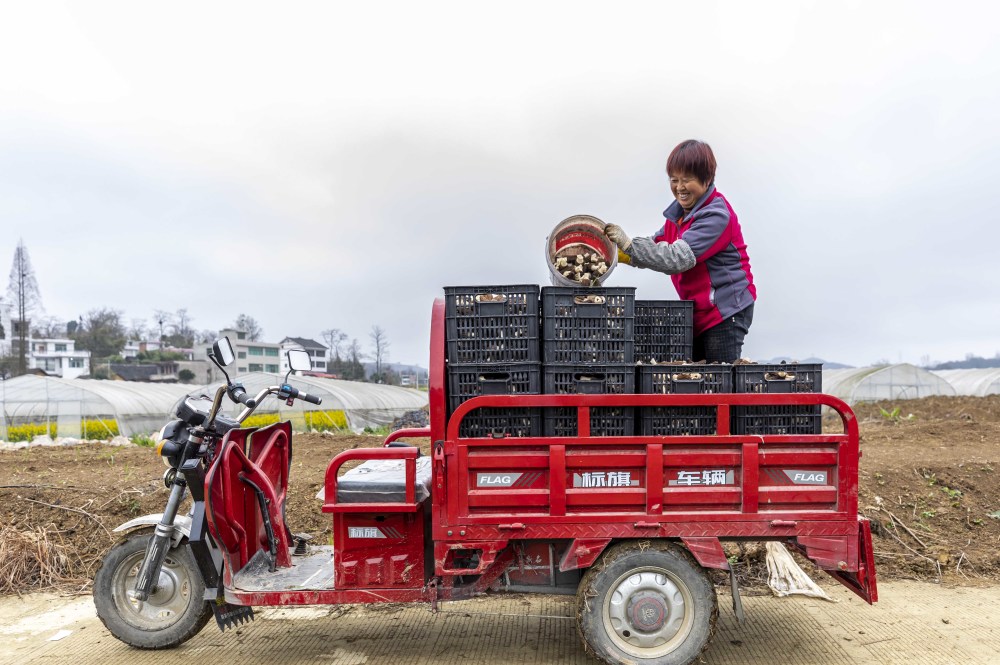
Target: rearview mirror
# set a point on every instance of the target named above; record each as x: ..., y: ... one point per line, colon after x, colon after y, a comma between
x: 298, y: 360
x: 223, y: 350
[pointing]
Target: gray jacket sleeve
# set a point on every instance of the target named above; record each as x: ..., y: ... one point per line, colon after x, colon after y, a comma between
x: 666, y: 257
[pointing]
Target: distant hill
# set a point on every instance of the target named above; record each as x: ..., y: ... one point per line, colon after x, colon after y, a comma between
x: 827, y: 364
x: 972, y: 362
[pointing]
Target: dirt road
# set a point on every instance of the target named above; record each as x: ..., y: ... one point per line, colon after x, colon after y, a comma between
x: 913, y: 623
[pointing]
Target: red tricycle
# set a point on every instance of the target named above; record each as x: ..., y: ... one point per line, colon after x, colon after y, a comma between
x: 628, y: 523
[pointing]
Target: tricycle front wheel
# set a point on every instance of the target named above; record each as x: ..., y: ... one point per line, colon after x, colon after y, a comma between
x: 646, y: 602
x: 176, y: 609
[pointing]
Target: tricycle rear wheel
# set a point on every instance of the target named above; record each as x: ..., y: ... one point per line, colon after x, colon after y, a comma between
x: 646, y: 602
x: 176, y: 609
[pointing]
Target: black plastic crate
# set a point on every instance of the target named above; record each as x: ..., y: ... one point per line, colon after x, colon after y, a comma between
x: 778, y: 419
x: 604, y: 421
x: 778, y: 378
x: 468, y: 381
x: 589, y: 380
x: 775, y: 379
x: 678, y: 420
x: 664, y: 330
x: 492, y: 324
x: 588, y: 325
x: 686, y: 379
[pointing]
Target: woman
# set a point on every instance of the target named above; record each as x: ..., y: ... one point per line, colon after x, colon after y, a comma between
x: 701, y: 246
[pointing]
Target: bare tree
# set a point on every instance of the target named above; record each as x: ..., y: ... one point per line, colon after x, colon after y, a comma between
x: 349, y: 366
x: 249, y: 325
x: 48, y: 327
x: 137, y: 330
x: 207, y: 336
x: 182, y: 327
x: 334, y: 339
x: 164, y: 320
x: 380, y: 352
x: 22, y: 290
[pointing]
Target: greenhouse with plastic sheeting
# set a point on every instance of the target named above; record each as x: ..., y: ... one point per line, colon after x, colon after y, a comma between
x: 973, y: 382
x: 885, y: 382
x: 87, y: 409
x: 346, y: 404
x: 81, y: 409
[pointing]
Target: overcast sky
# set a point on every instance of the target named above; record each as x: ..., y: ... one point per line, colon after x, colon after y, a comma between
x: 321, y: 165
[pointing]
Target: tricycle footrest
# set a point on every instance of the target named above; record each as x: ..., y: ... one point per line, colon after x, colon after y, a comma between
x: 228, y: 615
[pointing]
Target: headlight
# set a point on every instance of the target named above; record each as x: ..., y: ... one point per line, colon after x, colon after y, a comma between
x: 166, y: 447
x: 158, y: 439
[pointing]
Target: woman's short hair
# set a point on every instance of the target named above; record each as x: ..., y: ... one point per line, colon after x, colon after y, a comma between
x: 694, y: 158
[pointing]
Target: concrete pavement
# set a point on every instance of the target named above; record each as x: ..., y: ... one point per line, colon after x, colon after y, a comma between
x: 913, y: 623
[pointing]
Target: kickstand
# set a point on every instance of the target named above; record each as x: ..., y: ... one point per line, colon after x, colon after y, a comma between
x: 737, y: 602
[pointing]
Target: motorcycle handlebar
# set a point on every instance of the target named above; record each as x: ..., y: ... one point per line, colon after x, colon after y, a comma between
x: 282, y: 391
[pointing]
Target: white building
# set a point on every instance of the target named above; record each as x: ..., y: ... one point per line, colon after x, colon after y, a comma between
x: 317, y: 353
x: 58, y: 357
x: 250, y: 356
x: 54, y: 356
x: 134, y: 347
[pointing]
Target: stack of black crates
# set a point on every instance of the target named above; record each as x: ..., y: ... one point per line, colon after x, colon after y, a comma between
x: 588, y: 345
x: 491, y: 335
x: 601, y: 341
x: 664, y: 334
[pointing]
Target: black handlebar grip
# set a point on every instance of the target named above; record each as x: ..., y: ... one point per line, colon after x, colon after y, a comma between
x: 243, y: 398
x: 294, y: 393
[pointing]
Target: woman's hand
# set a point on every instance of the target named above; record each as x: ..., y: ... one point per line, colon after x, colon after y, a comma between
x: 618, y: 236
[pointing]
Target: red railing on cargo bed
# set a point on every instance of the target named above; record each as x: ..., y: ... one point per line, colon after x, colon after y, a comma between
x: 674, y: 478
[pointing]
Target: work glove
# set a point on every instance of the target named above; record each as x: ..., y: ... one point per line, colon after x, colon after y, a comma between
x: 618, y: 236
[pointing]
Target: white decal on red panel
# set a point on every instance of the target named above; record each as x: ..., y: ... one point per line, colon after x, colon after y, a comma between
x: 703, y: 478
x: 605, y: 479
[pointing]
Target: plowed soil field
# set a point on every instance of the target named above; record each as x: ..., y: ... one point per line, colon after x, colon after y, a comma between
x: 929, y: 481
